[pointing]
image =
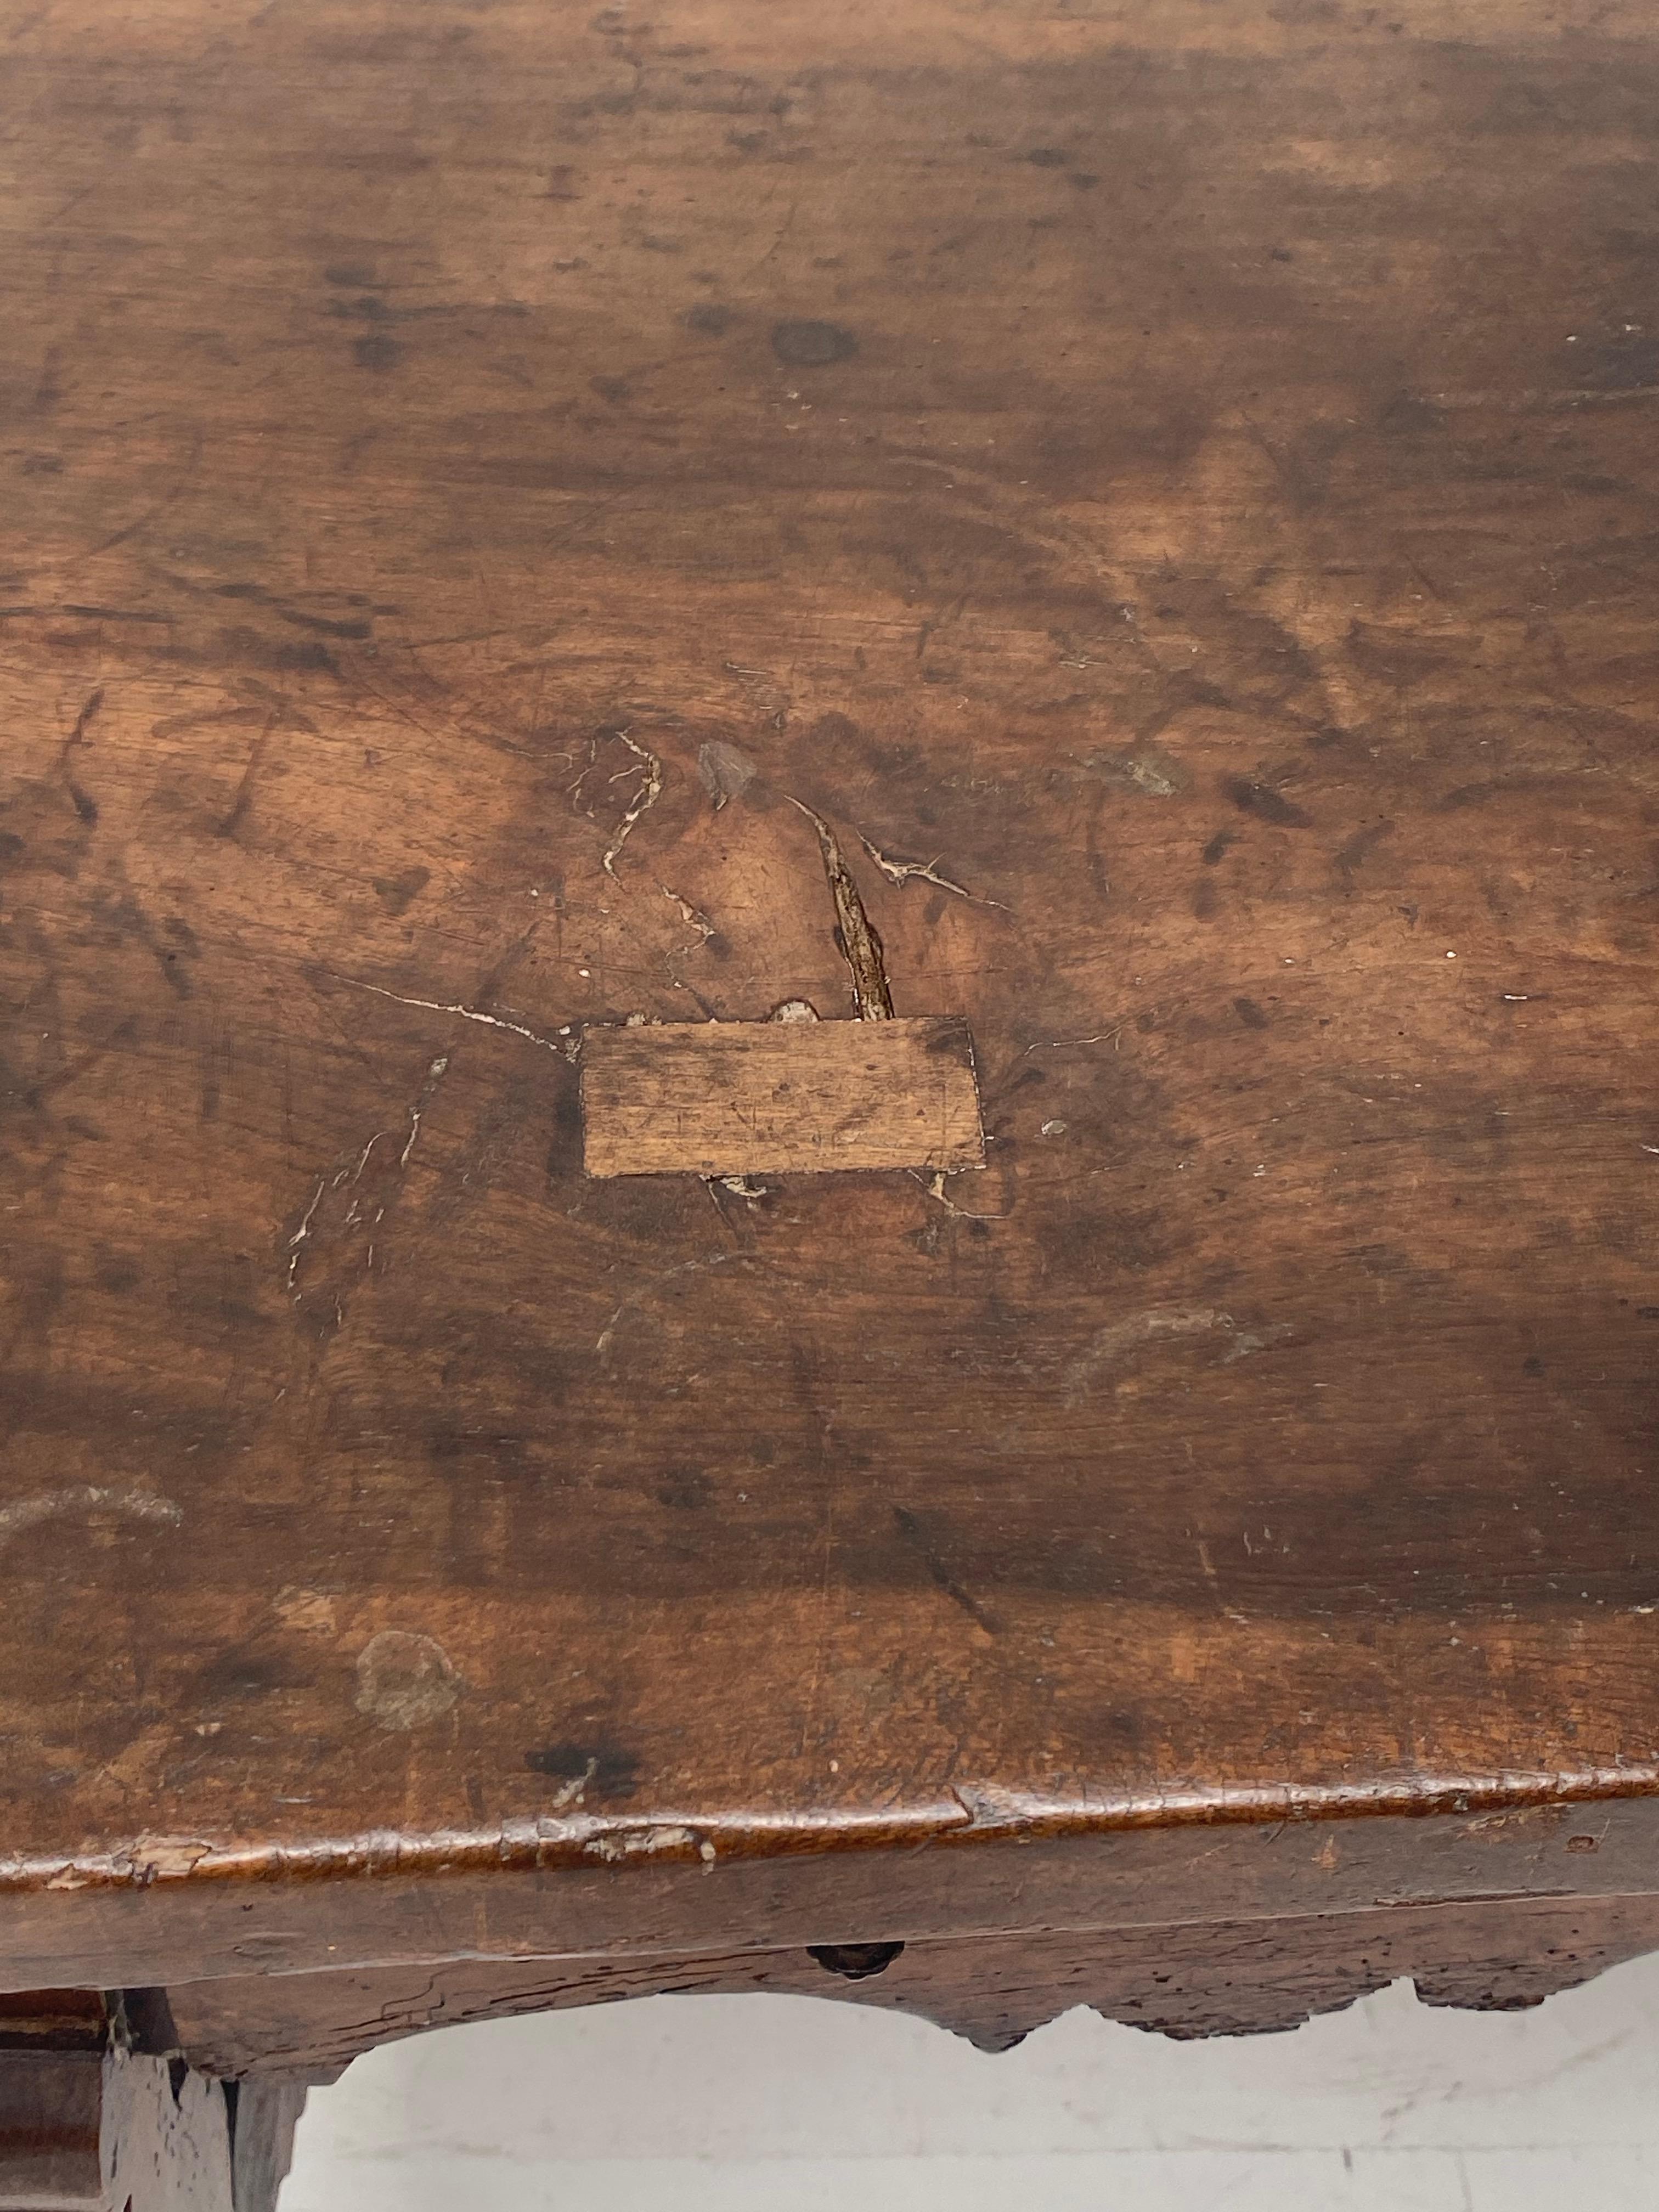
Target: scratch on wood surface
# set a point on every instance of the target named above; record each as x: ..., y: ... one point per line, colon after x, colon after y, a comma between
x: 152, y: 514
x: 689, y: 913
x: 566, y: 1051
x: 355, y: 1174
x: 434, y: 1076
x: 937, y: 1573
x: 607, y: 1335
x: 861, y: 947
x: 763, y: 690
x: 237, y: 813
x: 934, y: 1186
x: 318, y: 1228
x: 303, y: 1232
x: 85, y: 805
x: 924, y: 872
x: 1214, y: 1580
x: 1061, y: 1044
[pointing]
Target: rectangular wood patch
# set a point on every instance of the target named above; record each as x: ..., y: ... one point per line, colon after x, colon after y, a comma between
x: 724, y: 1098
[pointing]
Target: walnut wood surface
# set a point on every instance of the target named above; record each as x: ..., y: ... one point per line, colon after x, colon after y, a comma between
x: 1226, y: 1978
x: 100, y: 2110
x: 1129, y: 526
x: 89, y: 2125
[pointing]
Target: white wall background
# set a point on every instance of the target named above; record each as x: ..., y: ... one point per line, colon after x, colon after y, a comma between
x: 775, y: 2104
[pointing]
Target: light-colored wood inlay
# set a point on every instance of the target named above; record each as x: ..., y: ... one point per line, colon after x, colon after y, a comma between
x: 727, y: 1098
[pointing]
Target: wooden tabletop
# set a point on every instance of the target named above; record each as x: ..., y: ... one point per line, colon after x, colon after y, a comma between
x: 536, y: 539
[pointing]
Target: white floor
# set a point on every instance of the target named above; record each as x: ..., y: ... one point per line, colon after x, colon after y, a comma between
x: 753, y: 2104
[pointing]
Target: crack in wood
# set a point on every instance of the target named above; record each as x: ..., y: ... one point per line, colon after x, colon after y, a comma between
x: 855, y: 935
x: 648, y: 792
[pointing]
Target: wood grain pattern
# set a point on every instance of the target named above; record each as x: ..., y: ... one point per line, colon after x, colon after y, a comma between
x: 590, y: 1883
x: 748, y: 1098
x: 1127, y: 528
x: 52, y: 2116
x: 1214, y: 1978
x: 107, y: 2131
x: 264, y: 2114
x: 100, y: 2110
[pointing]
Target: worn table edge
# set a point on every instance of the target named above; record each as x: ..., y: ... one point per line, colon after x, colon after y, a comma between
x: 533, y: 1889
x: 964, y: 1816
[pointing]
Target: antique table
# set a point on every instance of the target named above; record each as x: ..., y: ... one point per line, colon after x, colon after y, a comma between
x: 829, y: 864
